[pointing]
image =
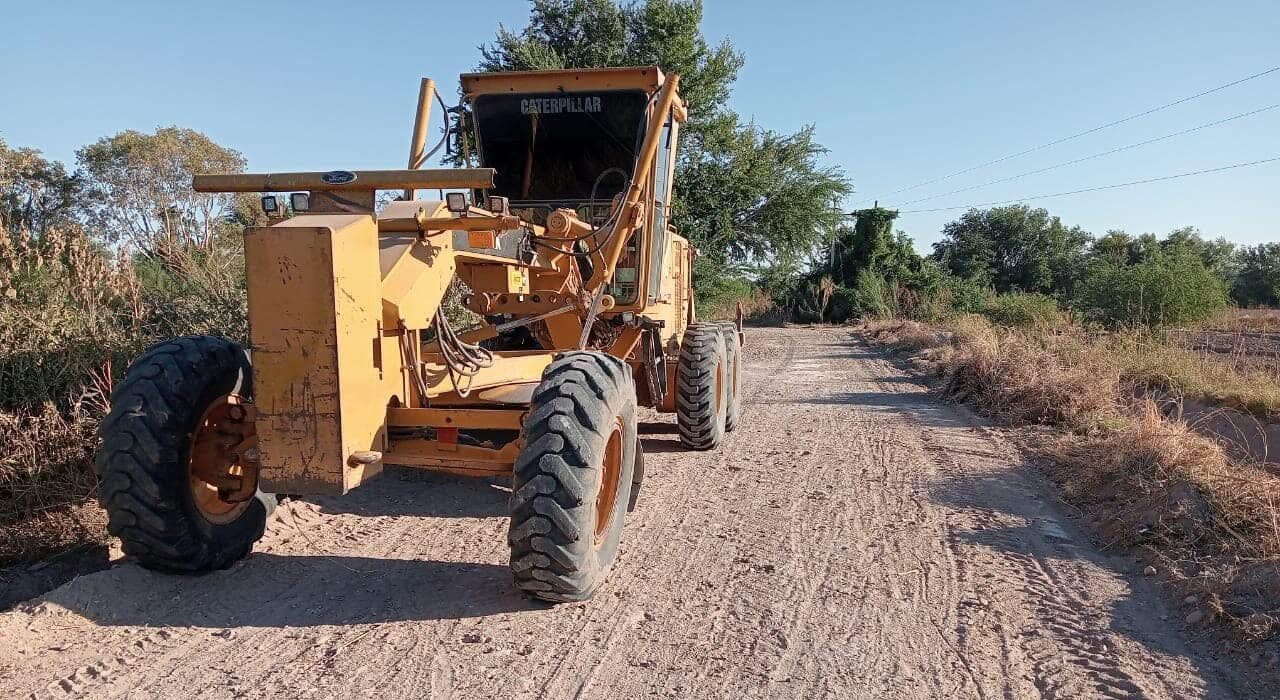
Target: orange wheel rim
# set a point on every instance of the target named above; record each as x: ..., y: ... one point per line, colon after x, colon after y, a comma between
x: 222, y: 476
x: 610, y: 475
x: 719, y: 392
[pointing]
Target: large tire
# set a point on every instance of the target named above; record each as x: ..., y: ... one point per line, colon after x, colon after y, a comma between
x: 572, y: 481
x: 143, y: 463
x: 702, y: 399
x: 733, y: 358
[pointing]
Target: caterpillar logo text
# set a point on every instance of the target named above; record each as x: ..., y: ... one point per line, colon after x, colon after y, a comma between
x: 558, y: 105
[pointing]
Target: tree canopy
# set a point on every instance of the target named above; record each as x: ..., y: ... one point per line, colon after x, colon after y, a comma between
x: 139, y: 186
x: 1013, y: 248
x: 35, y: 194
x: 743, y: 193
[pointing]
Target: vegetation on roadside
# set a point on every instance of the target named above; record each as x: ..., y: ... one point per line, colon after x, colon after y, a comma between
x: 95, y: 265
x: 1144, y: 481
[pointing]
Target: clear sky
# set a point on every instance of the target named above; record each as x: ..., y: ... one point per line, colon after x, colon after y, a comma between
x: 901, y: 92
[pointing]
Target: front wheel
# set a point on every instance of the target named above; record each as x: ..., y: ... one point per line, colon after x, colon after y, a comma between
x: 175, y: 468
x: 573, y: 479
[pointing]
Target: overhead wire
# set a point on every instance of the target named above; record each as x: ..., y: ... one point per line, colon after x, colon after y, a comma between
x: 1097, y: 189
x: 1086, y: 132
x: 1091, y: 157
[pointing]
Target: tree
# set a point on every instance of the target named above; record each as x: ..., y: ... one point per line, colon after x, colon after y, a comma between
x: 1258, y: 281
x: 1014, y: 248
x: 35, y: 194
x: 139, y: 187
x: 1115, y: 245
x: 762, y: 197
x: 1218, y: 255
x: 744, y: 194
x: 600, y: 33
x: 1168, y: 289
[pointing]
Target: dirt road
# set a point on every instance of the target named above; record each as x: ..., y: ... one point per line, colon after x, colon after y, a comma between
x: 854, y: 538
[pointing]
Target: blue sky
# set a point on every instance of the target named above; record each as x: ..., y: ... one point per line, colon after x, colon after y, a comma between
x: 900, y: 92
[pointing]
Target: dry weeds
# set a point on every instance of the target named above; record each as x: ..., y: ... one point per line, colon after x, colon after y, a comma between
x: 1143, y: 480
x: 72, y: 315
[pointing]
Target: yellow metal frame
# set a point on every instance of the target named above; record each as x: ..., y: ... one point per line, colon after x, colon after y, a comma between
x: 341, y: 302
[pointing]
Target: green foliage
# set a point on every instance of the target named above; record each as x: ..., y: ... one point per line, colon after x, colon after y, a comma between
x: 1022, y: 310
x: 1013, y: 248
x: 743, y: 193
x: 763, y: 196
x: 35, y: 194
x: 718, y: 292
x: 139, y: 187
x: 67, y: 309
x: 1167, y: 289
x: 967, y: 296
x: 873, y: 295
x: 1258, y: 280
x: 74, y: 313
x: 869, y: 245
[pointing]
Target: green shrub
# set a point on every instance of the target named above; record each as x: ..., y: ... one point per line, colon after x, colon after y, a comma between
x: 968, y: 296
x: 1165, y: 290
x: 1022, y: 310
x: 874, y: 296
x: 844, y: 305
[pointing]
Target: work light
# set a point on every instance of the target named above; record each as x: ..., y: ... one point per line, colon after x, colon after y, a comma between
x: 457, y: 202
x: 301, y: 201
x: 498, y: 205
x: 270, y: 205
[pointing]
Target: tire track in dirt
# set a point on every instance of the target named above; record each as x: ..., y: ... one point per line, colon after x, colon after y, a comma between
x: 573, y: 674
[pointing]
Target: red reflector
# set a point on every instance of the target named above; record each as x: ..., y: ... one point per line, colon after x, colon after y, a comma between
x: 447, y: 436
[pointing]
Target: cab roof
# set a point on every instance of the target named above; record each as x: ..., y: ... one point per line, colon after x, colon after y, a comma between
x: 647, y: 78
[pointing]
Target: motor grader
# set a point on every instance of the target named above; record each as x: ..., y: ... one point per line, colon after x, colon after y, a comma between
x: 557, y: 241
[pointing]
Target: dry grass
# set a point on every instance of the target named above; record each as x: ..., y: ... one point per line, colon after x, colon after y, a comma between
x: 912, y: 336
x: 757, y: 308
x: 1209, y: 377
x: 46, y: 483
x: 72, y: 315
x: 1145, y: 481
x: 1249, y: 320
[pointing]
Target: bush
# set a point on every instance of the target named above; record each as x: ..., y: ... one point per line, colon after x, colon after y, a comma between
x: 1022, y: 310
x: 1165, y: 290
x: 874, y: 296
x: 72, y: 316
x: 968, y: 296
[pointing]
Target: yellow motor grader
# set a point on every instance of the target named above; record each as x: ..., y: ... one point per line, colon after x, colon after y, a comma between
x: 560, y: 247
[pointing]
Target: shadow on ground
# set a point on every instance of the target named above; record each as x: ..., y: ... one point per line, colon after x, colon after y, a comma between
x: 420, y: 493
x: 274, y: 590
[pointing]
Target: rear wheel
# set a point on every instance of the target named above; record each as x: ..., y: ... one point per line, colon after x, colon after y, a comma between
x: 175, y: 465
x: 572, y: 480
x: 702, y: 382
x: 733, y: 358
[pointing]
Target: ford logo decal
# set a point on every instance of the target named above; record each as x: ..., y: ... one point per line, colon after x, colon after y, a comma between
x: 338, y: 177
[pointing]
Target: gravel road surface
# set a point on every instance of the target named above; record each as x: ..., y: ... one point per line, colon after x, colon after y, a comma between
x: 854, y: 538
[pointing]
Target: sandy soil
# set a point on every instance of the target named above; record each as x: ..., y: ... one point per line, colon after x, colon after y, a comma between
x: 854, y: 538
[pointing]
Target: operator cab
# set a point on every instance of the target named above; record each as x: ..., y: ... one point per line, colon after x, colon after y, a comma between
x: 571, y: 139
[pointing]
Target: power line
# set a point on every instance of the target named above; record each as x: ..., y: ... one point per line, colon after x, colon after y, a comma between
x: 1086, y: 132
x: 1095, y: 155
x: 1097, y: 189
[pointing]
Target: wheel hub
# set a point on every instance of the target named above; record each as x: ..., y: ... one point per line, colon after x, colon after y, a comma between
x: 610, y: 476
x: 222, y: 462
